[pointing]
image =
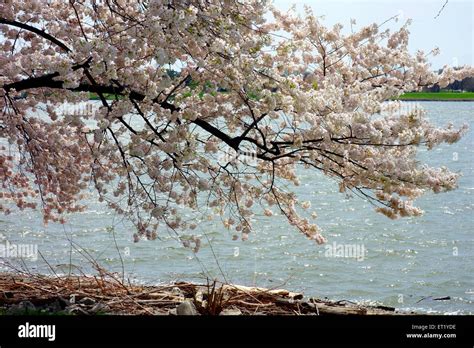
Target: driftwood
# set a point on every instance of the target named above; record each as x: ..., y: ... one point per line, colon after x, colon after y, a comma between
x: 107, y: 295
x: 256, y: 290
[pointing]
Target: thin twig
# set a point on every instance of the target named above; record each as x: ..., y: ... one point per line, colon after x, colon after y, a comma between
x: 442, y: 8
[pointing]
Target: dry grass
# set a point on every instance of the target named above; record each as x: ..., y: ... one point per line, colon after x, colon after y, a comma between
x: 116, y: 297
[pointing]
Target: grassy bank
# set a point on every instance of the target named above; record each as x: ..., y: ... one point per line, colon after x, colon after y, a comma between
x: 31, y: 294
x: 95, y: 96
x: 438, y: 96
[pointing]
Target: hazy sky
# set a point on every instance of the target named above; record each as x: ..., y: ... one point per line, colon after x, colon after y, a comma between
x: 452, y: 31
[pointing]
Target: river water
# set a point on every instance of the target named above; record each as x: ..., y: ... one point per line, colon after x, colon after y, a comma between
x: 406, y: 263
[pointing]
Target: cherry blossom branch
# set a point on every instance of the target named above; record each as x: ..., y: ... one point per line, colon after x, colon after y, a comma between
x: 40, y: 32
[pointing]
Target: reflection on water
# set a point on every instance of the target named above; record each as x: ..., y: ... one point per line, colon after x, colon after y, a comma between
x: 407, y: 263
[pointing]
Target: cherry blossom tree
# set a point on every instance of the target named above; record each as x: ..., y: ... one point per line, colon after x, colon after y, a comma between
x: 258, y: 95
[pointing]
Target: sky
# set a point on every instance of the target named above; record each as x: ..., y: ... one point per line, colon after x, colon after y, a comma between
x: 452, y: 31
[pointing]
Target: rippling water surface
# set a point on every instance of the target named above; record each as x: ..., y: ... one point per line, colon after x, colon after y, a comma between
x: 407, y: 263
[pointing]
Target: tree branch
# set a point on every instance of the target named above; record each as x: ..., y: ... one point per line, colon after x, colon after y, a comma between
x: 37, y: 31
x: 442, y: 8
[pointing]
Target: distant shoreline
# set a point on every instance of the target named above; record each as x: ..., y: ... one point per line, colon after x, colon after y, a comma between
x: 436, y: 100
x: 437, y: 96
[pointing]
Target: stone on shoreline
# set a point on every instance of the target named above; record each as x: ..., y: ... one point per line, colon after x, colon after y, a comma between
x: 186, y: 308
x: 87, y: 301
x: 231, y: 311
x: 22, y: 307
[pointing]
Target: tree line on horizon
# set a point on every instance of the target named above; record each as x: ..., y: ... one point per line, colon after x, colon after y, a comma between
x: 466, y: 84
